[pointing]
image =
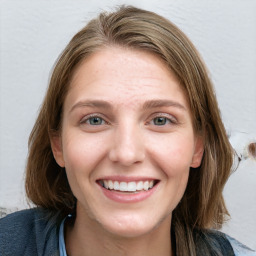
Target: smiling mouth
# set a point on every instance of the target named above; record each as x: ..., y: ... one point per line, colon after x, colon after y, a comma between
x: 132, y: 186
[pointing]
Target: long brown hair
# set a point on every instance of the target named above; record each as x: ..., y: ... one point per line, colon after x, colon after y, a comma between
x: 202, y: 205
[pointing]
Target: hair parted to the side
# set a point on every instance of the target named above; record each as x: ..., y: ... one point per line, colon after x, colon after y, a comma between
x: 202, y: 205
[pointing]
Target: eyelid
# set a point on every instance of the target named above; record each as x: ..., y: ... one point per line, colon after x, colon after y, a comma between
x: 166, y: 115
x: 87, y: 117
x: 170, y: 117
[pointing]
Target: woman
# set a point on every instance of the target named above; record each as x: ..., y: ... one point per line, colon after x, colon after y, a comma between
x: 129, y: 155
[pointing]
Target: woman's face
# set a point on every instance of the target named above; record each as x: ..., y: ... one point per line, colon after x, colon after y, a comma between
x: 127, y: 142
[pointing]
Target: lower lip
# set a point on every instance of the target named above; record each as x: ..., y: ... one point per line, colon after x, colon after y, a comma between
x: 122, y: 197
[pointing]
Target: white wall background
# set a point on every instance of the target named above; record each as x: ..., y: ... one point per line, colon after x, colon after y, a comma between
x: 33, y: 33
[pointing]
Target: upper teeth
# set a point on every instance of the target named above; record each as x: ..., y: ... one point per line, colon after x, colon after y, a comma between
x: 132, y: 186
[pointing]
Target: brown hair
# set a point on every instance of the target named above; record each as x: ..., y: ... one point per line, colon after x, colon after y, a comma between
x: 202, y: 205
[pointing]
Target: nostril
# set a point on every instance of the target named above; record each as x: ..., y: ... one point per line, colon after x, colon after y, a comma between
x: 126, y: 156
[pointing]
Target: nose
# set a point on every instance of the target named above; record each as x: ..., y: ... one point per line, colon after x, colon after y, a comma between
x: 127, y: 147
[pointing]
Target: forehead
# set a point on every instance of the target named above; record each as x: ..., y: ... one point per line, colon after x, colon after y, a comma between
x: 125, y: 76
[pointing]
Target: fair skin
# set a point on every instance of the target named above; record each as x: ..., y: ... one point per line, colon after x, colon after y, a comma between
x: 125, y: 121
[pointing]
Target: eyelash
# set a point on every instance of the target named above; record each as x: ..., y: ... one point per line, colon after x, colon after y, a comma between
x: 87, y: 119
x: 167, y: 119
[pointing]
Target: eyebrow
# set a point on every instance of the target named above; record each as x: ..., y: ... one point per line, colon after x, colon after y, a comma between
x: 163, y: 103
x: 92, y: 103
x: 147, y: 105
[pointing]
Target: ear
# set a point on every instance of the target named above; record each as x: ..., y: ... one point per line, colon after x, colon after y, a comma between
x: 56, y: 145
x: 198, y: 152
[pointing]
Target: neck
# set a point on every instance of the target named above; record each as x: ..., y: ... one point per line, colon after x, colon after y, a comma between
x: 85, y: 238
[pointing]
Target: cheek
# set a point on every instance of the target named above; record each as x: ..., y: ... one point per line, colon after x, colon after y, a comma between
x: 173, y: 155
x: 82, y: 152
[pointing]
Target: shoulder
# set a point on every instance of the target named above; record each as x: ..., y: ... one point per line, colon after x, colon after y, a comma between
x: 28, y: 232
x: 225, y: 244
x: 213, y: 242
x: 239, y: 248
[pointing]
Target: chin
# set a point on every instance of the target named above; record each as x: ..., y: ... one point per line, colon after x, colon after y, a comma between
x: 128, y: 231
x: 130, y: 226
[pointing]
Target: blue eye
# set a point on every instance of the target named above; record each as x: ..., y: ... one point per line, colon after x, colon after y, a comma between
x: 160, y: 120
x: 95, y: 120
